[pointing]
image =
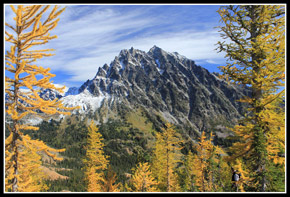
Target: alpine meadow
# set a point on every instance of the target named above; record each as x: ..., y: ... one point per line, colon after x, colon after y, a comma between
x: 150, y: 121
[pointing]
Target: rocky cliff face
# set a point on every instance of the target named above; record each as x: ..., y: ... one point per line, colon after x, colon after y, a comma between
x: 167, y: 84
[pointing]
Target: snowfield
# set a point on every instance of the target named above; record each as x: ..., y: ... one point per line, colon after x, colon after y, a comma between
x: 85, y: 100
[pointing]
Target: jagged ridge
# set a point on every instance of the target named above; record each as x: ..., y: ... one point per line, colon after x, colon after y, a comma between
x: 168, y: 84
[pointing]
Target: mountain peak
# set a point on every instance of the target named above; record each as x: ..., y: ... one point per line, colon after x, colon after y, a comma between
x: 169, y: 83
x: 155, y: 49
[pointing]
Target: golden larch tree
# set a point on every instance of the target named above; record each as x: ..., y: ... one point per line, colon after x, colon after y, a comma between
x: 142, y: 179
x: 166, y: 156
x: 110, y: 181
x: 95, y: 162
x: 255, y: 47
x: 244, y: 179
x: 23, y: 84
x: 30, y: 177
x: 201, y: 165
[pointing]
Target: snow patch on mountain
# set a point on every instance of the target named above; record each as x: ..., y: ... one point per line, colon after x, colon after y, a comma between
x: 85, y: 100
x: 161, y: 71
x: 34, y: 120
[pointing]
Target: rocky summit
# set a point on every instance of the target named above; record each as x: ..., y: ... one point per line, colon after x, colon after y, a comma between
x: 167, y: 85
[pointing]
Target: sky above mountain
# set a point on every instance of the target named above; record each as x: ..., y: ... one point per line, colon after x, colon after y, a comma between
x: 91, y: 35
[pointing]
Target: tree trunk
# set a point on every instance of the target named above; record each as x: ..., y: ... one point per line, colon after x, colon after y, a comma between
x: 15, y: 161
x: 15, y: 122
x: 260, y: 137
x: 167, y: 170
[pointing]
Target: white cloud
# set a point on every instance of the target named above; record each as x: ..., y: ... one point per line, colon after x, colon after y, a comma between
x: 210, y: 61
x: 190, y: 44
x: 89, y: 37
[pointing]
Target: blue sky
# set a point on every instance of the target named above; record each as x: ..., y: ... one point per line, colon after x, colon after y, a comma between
x: 91, y: 35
